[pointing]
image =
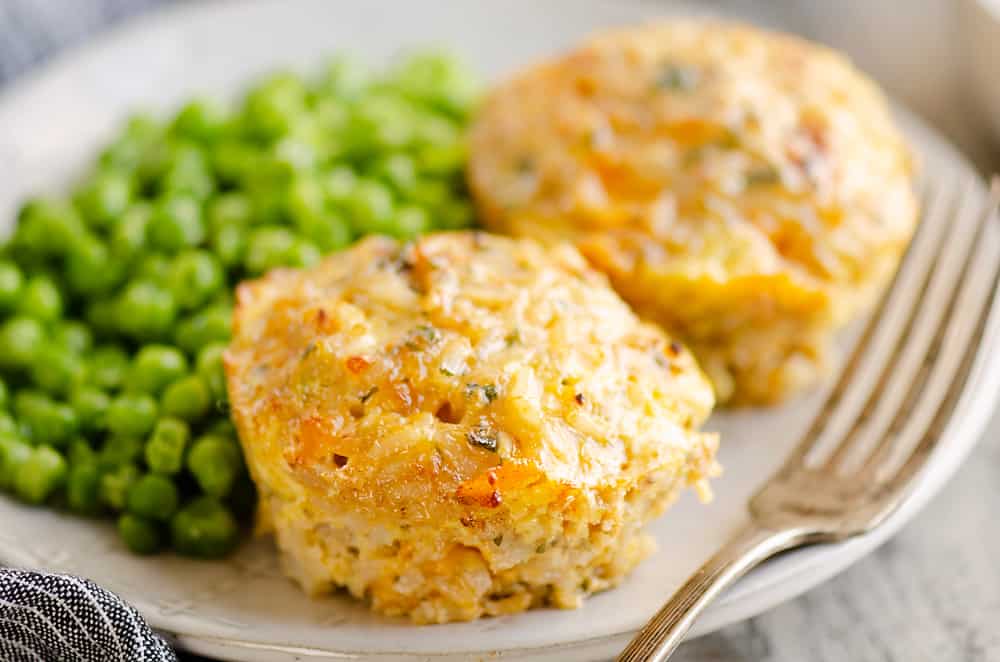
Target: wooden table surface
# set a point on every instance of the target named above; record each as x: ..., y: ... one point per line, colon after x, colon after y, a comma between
x: 933, y: 592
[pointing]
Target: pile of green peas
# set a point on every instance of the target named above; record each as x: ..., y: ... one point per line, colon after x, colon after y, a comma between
x: 115, y: 302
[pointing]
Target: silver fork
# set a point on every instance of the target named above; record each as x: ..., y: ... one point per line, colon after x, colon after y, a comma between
x: 862, y: 455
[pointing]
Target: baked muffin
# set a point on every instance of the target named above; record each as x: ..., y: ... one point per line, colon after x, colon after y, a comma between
x: 746, y: 190
x: 461, y: 426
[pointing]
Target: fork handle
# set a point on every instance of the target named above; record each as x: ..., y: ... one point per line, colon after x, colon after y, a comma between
x: 665, y: 631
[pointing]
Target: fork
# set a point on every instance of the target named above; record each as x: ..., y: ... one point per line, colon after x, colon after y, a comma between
x: 872, y: 439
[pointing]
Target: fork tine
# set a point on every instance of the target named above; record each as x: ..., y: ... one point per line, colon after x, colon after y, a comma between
x: 937, y: 200
x: 879, y: 398
x: 920, y: 388
x: 928, y: 442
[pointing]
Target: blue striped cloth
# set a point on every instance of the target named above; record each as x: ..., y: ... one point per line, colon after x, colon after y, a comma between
x: 59, y: 618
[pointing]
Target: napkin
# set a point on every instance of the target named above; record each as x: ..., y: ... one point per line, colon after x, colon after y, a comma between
x: 60, y: 618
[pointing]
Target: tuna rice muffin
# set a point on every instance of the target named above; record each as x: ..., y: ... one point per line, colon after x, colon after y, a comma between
x: 746, y: 190
x: 462, y: 426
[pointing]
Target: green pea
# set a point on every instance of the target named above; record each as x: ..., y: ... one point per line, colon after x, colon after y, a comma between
x: 20, y: 340
x: 439, y: 80
x: 154, y: 367
x: 267, y: 248
x: 154, y: 267
x: 437, y: 130
x: 370, y: 207
x: 11, y: 282
x: 430, y: 193
x: 90, y: 269
x: 131, y: 415
x: 222, y: 427
x: 230, y: 209
x: 40, y: 474
x: 128, y: 236
x: 91, y: 406
x: 117, y: 451
x: 116, y: 484
x: 214, y: 324
x: 56, y: 369
x: 200, y: 119
x: 165, y: 448
x: 382, y: 123
x: 45, y: 421
x: 145, y: 311
x: 235, y: 161
x: 216, y: 463
x: 398, y: 170
x: 127, y: 149
x: 74, y: 336
x: 204, y: 528
x: 208, y: 366
x: 140, y: 534
x: 293, y: 154
x: 41, y: 300
x: 8, y: 426
x: 306, y: 200
x: 80, y: 452
x: 303, y: 254
x: 229, y: 243
x: 188, y: 398
x: 176, y: 223
x: 47, y: 228
x: 411, y: 221
x: 83, y: 484
x: 108, y: 366
x: 187, y: 172
x: 102, y: 315
x: 13, y: 454
x: 339, y: 184
x: 455, y: 215
x: 273, y: 107
x: 442, y: 160
x: 344, y: 77
x: 195, y: 276
x: 104, y: 198
x: 153, y: 496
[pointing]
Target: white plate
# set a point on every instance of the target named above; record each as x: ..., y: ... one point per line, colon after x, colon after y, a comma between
x: 243, y: 609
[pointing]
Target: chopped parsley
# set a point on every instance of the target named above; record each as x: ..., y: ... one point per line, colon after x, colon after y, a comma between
x: 763, y: 176
x: 367, y: 395
x: 489, y: 391
x: 677, y: 78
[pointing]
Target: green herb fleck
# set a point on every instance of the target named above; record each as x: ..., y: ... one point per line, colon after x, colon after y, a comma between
x: 678, y: 78
x: 512, y: 338
x: 423, y: 335
x: 368, y: 394
x: 498, y: 540
x: 447, y: 372
x: 489, y: 391
x: 762, y: 176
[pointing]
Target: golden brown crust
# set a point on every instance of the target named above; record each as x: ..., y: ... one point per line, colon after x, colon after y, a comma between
x: 747, y: 190
x: 461, y: 426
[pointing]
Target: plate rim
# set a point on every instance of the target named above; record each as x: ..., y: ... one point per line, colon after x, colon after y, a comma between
x: 787, y: 577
